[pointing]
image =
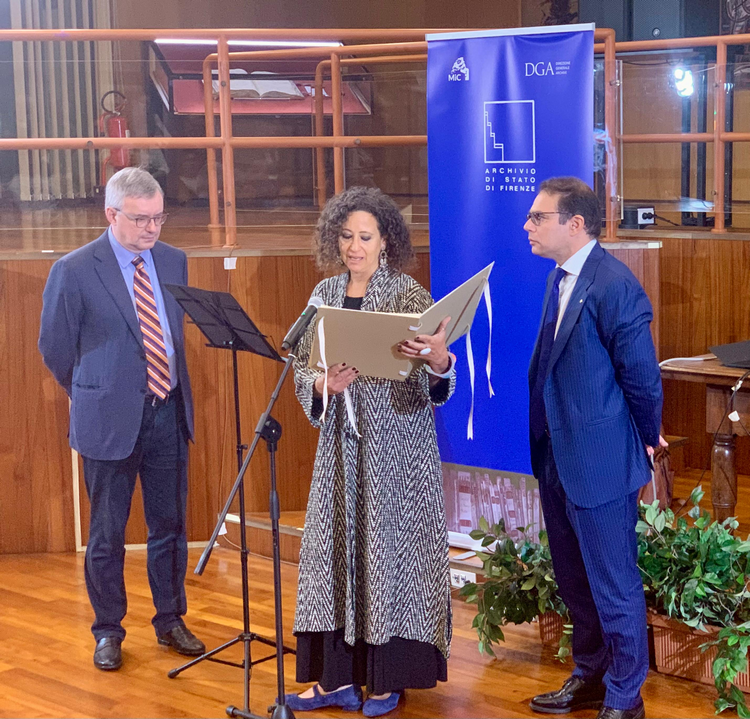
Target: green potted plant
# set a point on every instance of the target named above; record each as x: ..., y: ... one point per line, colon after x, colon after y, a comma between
x: 519, y: 586
x: 695, y: 575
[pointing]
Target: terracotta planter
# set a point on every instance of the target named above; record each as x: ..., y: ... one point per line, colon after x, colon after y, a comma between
x: 677, y: 648
x: 550, y: 628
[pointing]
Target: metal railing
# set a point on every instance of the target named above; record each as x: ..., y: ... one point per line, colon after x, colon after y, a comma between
x: 719, y: 137
x: 378, y: 46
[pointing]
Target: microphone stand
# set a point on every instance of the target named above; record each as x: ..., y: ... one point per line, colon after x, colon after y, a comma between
x: 216, y: 314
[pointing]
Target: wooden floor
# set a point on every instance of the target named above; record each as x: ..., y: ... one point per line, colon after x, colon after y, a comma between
x: 46, y: 650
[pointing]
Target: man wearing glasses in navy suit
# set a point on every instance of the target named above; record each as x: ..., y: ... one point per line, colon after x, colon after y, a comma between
x: 594, y: 414
x: 113, y: 340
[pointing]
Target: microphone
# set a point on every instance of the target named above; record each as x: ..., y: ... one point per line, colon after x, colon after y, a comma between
x: 296, y: 330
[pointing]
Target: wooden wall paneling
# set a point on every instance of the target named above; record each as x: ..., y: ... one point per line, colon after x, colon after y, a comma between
x: 644, y: 264
x: 36, y: 490
x: 36, y: 506
x: 320, y: 13
x: 274, y: 290
x: 480, y: 13
x: 421, y: 270
x: 213, y: 463
x: 651, y: 282
x: 704, y: 303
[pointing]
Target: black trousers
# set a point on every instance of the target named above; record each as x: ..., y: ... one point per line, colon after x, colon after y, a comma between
x: 325, y: 657
x: 160, y: 459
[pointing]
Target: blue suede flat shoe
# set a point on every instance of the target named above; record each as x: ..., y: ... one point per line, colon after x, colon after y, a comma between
x: 378, y: 707
x: 349, y: 699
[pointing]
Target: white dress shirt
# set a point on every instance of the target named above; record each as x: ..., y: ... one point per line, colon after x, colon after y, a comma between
x: 573, y: 266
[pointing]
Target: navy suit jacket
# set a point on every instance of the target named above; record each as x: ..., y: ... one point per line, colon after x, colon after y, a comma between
x: 603, y: 392
x: 92, y: 343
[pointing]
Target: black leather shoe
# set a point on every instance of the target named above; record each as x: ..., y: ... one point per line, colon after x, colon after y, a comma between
x: 108, y: 655
x: 637, y: 712
x: 183, y: 641
x: 575, y: 694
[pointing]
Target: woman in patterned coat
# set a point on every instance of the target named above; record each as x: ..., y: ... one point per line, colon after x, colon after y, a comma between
x: 373, y: 601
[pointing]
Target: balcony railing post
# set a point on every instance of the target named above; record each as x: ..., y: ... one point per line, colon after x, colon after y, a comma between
x: 227, y: 150
x: 338, y: 123
x: 211, y: 167
x: 610, y: 114
x: 320, y: 156
x: 720, y: 100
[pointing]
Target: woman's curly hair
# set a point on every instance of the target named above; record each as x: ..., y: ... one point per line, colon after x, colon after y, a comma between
x: 391, y: 224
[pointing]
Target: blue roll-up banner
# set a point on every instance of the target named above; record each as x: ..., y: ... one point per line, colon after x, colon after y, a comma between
x: 506, y: 109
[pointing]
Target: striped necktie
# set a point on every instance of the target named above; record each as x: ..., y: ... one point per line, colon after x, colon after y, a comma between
x: 157, y: 365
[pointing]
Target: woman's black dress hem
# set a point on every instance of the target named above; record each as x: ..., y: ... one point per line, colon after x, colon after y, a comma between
x: 325, y: 657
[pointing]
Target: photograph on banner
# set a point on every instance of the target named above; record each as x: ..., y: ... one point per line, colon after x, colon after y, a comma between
x: 472, y: 493
x: 506, y: 109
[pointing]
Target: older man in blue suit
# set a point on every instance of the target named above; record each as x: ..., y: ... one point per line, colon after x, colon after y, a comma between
x: 595, y: 413
x: 114, y: 341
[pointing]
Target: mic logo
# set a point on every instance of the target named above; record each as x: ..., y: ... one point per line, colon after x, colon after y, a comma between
x: 459, y: 72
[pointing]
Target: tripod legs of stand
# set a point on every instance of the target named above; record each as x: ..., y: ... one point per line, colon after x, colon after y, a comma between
x: 209, y: 656
x: 271, y: 432
x: 278, y: 711
x: 176, y: 672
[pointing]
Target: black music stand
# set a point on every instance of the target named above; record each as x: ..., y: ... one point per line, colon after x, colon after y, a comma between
x: 225, y: 325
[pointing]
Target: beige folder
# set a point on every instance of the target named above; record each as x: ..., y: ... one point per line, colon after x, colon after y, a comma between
x: 368, y: 340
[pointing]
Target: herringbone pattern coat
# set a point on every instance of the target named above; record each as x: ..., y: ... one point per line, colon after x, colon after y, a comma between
x: 374, y: 556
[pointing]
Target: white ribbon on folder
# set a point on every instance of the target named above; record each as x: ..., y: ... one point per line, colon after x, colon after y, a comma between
x: 350, y: 412
x: 470, y: 360
x: 324, y: 365
x: 488, y: 304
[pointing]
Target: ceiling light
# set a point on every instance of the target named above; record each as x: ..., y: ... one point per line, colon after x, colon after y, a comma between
x: 250, y: 43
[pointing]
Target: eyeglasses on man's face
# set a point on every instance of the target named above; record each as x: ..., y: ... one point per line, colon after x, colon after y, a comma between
x: 537, y: 218
x: 141, y: 221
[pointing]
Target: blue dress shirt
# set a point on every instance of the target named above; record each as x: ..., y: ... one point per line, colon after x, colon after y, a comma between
x: 125, y: 259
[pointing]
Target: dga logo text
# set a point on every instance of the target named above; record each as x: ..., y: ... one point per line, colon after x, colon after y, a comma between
x: 539, y: 68
x: 459, y: 71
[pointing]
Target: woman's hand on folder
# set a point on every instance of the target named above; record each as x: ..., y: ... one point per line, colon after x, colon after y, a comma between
x: 340, y: 376
x: 430, y: 348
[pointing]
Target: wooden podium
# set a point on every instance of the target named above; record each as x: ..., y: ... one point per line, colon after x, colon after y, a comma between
x: 719, y: 381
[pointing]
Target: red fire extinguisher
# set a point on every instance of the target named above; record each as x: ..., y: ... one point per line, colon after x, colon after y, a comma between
x: 112, y: 123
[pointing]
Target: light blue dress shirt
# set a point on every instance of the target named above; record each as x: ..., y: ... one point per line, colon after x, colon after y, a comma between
x: 125, y: 259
